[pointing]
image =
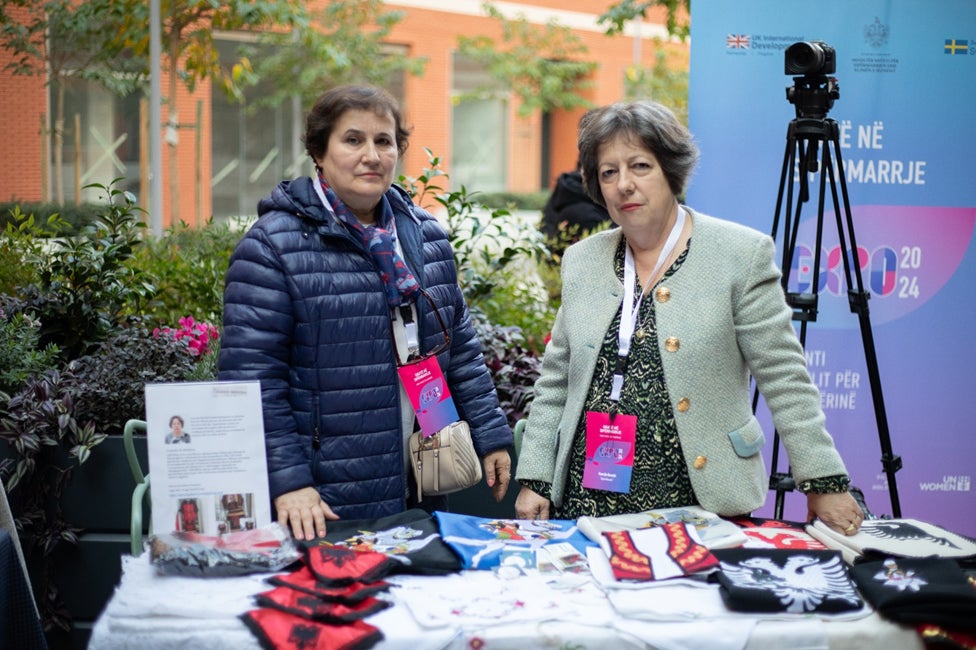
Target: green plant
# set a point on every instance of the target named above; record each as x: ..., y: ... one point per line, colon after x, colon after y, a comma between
x: 109, y: 384
x: 74, y: 216
x: 20, y: 356
x: 514, y: 367
x: 496, y: 254
x: 48, y: 442
x: 514, y: 200
x: 25, y: 238
x: 85, y: 284
x: 187, y: 267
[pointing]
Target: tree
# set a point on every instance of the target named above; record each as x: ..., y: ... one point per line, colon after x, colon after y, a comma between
x: 190, y: 53
x: 677, y: 19
x: 544, y: 67
x: 61, y: 40
x: 662, y: 83
x: 343, y: 43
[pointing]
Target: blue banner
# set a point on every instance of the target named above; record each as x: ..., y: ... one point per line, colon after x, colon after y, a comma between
x: 902, y: 97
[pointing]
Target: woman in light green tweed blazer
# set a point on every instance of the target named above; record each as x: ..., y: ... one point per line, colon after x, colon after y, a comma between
x: 715, y: 314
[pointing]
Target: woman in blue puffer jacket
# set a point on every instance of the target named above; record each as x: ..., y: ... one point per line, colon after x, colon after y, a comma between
x: 315, y: 304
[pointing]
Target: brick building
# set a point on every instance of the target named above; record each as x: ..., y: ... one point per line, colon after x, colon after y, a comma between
x: 229, y: 157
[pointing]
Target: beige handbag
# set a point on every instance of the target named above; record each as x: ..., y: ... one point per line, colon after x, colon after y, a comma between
x: 444, y: 462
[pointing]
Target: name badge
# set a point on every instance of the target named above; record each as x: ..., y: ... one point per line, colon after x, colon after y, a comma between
x: 609, y: 451
x: 427, y: 389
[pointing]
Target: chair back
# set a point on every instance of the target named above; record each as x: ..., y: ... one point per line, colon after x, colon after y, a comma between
x: 140, y: 495
x: 517, y: 432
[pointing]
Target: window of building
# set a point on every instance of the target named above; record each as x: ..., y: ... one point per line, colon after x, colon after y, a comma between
x: 253, y: 149
x: 479, y: 130
x: 100, y: 142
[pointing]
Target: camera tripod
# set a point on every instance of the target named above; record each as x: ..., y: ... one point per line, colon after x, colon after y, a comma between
x: 804, y: 137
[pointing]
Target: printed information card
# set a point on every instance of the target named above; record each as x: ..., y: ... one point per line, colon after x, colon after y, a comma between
x: 207, y: 458
x: 609, y: 451
x: 427, y: 389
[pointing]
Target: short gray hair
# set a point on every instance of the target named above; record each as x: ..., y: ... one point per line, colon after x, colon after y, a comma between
x: 653, y: 125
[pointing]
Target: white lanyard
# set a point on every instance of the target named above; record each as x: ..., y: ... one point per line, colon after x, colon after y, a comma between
x: 629, y: 310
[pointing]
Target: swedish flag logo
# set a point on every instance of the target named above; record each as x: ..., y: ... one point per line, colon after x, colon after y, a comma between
x: 956, y: 46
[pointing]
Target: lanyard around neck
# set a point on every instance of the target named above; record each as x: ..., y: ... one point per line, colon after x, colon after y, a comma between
x: 630, y: 309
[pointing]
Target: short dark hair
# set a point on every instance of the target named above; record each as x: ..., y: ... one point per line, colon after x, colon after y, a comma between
x: 657, y: 129
x: 333, y: 103
x: 177, y: 417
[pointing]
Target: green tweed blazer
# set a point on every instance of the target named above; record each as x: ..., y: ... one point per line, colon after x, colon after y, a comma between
x: 726, y: 318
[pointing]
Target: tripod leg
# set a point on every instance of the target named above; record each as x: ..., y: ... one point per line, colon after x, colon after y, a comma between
x: 779, y: 481
x: 858, y: 302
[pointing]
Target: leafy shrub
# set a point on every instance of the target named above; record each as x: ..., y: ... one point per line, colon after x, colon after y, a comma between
x: 515, y: 200
x: 187, y: 266
x: 85, y: 284
x: 76, y: 216
x: 20, y: 356
x: 514, y: 367
x: 25, y: 237
x: 496, y: 254
x: 109, y: 384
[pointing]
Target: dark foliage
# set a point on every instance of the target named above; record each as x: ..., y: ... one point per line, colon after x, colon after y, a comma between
x: 514, y: 367
x: 110, y: 383
x: 48, y: 442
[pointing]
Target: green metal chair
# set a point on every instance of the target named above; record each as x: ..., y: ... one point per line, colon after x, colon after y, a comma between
x: 140, y: 495
x: 517, y: 431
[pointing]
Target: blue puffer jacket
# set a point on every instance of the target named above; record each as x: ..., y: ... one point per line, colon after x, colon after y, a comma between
x: 306, y: 314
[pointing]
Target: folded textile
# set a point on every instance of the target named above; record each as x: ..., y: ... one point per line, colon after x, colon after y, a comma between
x: 713, y: 531
x: 480, y: 599
x: 670, y: 551
x: 480, y: 541
x: 602, y: 574
x: 284, y: 631
x: 919, y: 590
x: 336, y: 567
x: 777, y: 580
x: 289, y: 600
x: 412, y: 538
x: 879, y: 538
x: 935, y: 636
x: 774, y: 533
x: 305, y: 581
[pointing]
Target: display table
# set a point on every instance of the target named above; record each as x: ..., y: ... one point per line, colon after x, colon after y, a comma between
x: 475, y: 609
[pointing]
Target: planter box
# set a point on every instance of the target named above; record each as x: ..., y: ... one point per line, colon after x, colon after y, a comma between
x: 97, y: 500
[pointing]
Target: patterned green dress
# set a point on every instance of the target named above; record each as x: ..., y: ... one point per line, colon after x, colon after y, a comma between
x: 660, y: 476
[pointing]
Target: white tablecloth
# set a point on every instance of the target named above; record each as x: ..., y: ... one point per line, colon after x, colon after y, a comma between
x: 152, y: 612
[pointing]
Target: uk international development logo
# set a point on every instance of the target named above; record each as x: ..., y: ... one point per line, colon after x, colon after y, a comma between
x: 737, y: 41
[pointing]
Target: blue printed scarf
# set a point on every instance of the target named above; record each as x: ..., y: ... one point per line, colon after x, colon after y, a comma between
x: 380, y: 240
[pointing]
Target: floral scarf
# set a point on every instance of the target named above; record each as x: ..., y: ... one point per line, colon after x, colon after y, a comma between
x: 380, y: 240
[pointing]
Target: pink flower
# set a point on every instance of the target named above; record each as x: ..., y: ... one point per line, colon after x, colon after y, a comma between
x: 198, y: 335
